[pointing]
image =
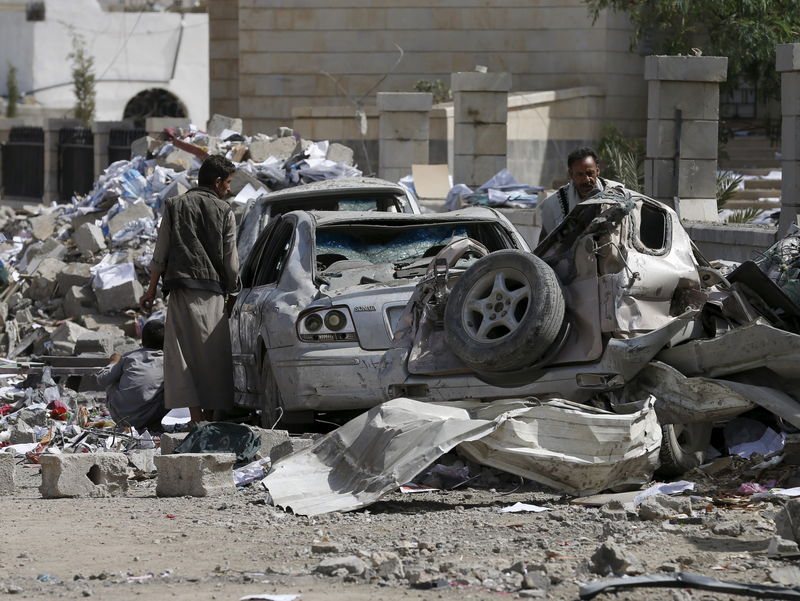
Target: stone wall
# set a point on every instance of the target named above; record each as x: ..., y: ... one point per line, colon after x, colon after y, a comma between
x: 223, y: 56
x: 286, y: 47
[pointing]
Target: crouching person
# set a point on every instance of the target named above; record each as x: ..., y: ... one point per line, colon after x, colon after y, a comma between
x: 134, y: 382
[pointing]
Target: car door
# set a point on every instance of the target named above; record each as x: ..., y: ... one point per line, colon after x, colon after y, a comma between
x: 260, y: 277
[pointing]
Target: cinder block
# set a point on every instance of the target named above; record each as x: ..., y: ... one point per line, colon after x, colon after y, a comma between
x: 84, y: 475
x: 74, y: 274
x: 790, y: 138
x: 790, y: 94
x: 289, y: 446
x: 119, y: 298
x: 787, y: 57
x: 699, y: 139
x: 269, y: 440
x: 404, y: 126
x: 405, y: 101
x: 474, y: 81
x: 89, y: 239
x: 78, y: 300
x: 218, y: 123
x: 473, y: 107
x: 694, y: 99
x: 482, y: 138
x: 195, y: 474
x: 136, y: 211
x: 7, y: 467
x: 44, y: 280
x: 170, y: 440
x: 686, y: 68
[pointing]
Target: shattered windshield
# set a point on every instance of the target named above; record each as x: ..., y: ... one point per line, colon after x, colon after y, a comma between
x: 393, y: 246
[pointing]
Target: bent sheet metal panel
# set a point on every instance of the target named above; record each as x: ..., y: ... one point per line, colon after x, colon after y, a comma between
x: 576, y: 449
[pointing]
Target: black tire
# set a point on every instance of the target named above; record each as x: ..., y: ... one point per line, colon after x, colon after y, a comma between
x: 504, y: 312
x: 683, y: 447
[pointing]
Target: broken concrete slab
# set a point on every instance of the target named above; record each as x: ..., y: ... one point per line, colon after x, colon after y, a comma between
x: 339, y: 153
x: 287, y: 447
x: 43, y: 226
x: 170, y: 440
x: 787, y: 522
x: 84, y: 475
x: 89, y: 239
x: 662, y: 507
x: 119, y: 298
x: 178, y: 159
x: 611, y: 558
x: 78, y: 301
x: 269, y: 440
x: 7, y: 473
x: 219, y: 123
x: 280, y: 148
x: 195, y: 474
x: 45, y: 279
x: 136, y: 211
x: 74, y: 274
x: 66, y: 336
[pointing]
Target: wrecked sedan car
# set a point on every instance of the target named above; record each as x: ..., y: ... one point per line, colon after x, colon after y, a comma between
x: 632, y: 314
x: 340, y: 194
x: 322, y: 299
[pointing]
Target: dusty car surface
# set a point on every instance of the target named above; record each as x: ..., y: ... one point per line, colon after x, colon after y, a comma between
x: 635, y: 313
x: 341, y: 194
x: 323, y: 296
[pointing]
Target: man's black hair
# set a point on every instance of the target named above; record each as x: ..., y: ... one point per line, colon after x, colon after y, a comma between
x: 581, y: 153
x: 213, y: 167
x: 153, y: 335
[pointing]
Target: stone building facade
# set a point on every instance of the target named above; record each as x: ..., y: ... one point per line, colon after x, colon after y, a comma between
x: 268, y: 57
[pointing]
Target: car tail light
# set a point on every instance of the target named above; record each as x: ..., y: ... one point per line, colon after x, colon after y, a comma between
x: 327, y: 325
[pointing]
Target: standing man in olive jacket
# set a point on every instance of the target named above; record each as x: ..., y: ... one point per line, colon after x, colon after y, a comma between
x: 196, y: 256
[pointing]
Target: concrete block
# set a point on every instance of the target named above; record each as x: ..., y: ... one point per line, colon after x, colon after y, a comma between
x: 403, y: 154
x: 480, y: 108
x: 790, y: 138
x: 65, y: 337
x: 136, y: 211
x: 195, y: 474
x: 699, y: 139
x: 787, y: 522
x: 697, y: 178
x: 698, y: 209
x: 404, y: 126
x: 787, y: 57
x: 96, y: 342
x: 78, y: 301
x: 171, y: 440
x: 340, y: 153
x: 686, y: 68
x: 22, y: 433
x: 290, y: 446
x: 177, y: 159
x: 119, y: 298
x: 280, y: 148
x: 89, y: 239
x: 480, y: 139
x: 218, y: 123
x: 39, y: 251
x: 695, y: 100
x: 141, y: 146
x: 405, y: 101
x: 8, y: 465
x: 269, y: 440
x: 790, y: 94
x: 110, y: 323
x: 84, y: 475
x: 241, y: 178
x: 43, y: 226
x: 74, y: 274
x: 476, y: 170
x: 473, y: 81
x: 45, y: 279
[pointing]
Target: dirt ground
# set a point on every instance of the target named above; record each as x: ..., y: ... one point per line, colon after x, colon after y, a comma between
x: 440, y: 545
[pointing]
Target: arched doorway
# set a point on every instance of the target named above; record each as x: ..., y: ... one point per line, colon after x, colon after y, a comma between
x: 155, y: 102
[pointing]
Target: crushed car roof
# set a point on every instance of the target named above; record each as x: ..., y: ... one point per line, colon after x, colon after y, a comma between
x: 468, y: 214
x: 337, y: 186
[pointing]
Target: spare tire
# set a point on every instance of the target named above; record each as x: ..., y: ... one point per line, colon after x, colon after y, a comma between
x: 504, y: 312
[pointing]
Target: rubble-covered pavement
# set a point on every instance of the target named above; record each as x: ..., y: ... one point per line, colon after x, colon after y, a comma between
x: 85, y: 513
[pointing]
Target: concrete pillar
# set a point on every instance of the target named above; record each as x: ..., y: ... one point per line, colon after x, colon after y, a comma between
x: 404, y: 132
x: 480, y: 123
x: 51, y: 129
x: 683, y: 104
x: 100, y: 131
x: 787, y: 63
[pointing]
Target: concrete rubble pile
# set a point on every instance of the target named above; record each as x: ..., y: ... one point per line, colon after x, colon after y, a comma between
x: 71, y: 275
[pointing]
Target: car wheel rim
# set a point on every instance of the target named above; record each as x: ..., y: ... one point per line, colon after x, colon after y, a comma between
x: 496, y: 305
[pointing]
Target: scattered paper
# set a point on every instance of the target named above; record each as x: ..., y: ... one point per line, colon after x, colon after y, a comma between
x: 664, y: 488
x: 524, y: 507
